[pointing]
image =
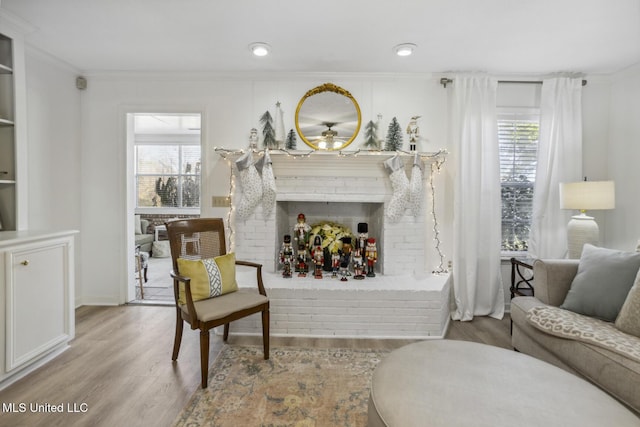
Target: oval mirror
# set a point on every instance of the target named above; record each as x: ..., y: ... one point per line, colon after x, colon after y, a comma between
x: 328, y: 118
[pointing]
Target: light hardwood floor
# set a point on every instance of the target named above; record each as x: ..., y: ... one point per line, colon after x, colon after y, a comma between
x: 119, y: 366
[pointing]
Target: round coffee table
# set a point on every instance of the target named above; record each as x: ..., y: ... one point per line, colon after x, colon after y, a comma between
x: 458, y: 383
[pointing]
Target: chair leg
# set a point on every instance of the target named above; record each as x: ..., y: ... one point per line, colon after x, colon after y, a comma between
x: 225, y: 335
x: 178, y: 338
x: 204, y: 356
x: 265, y: 333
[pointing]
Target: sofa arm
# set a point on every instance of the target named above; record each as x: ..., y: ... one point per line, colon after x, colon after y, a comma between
x: 552, y: 279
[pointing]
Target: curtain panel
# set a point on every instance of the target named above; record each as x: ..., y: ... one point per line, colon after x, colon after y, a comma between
x: 477, y: 283
x: 559, y: 160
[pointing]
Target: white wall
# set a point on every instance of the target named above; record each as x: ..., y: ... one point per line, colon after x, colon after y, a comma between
x: 622, y: 225
x: 53, y: 147
x: 77, y: 160
x: 231, y: 107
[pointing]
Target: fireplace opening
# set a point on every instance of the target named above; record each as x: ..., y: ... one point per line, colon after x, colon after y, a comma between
x: 347, y: 214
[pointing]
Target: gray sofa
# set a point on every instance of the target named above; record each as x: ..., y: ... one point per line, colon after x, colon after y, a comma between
x: 612, y: 371
x: 142, y: 238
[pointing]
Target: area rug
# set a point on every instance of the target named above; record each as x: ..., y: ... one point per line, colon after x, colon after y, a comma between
x: 295, y: 387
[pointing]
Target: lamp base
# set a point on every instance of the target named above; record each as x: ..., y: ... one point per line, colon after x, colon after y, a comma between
x: 581, y: 229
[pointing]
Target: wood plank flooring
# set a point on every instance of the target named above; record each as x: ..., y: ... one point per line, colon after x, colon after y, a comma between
x: 119, y: 366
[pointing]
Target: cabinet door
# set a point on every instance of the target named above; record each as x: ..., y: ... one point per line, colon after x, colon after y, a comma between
x: 37, y: 310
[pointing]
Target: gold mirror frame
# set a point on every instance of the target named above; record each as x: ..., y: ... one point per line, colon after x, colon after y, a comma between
x: 328, y: 118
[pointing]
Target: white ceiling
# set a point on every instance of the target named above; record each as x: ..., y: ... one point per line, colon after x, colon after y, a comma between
x: 496, y: 36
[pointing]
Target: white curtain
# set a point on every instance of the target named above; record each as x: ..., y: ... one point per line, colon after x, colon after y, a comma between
x: 477, y: 282
x: 559, y: 160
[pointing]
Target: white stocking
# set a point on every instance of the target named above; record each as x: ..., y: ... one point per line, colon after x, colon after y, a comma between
x: 415, y: 186
x: 400, y: 185
x: 251, y: 185
x: 268, y: 183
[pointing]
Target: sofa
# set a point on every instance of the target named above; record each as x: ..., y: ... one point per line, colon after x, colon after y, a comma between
x: 142, y: 237
x: 592, y: 348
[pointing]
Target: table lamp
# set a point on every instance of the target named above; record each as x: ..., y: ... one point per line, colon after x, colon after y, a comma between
x: 583, y: 196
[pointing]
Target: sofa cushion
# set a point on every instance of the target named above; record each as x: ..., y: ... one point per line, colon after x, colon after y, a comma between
x: 602, y: 282
x: 574, y: 326
x: 210, y: 277
x: 161, y: 249
x: 629, y: 318
x: 137, y: 224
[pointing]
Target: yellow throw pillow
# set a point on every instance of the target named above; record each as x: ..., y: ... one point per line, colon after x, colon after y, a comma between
x: 210, y: 277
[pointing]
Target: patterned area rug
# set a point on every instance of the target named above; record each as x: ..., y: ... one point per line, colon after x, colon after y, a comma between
x: 295, y: 387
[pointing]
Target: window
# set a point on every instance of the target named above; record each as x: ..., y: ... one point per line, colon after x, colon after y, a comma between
x: 167, y: 161
x: 518, y: 139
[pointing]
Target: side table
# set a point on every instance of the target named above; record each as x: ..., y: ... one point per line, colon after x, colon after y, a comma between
x: 521, y: 277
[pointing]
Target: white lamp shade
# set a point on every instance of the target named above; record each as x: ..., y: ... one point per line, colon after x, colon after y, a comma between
x: 588, y: 195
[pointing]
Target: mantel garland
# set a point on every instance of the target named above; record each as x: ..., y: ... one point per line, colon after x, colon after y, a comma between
x: 436, y: 159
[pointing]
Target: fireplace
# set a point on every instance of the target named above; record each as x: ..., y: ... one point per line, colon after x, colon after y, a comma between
x: 403, y: 300
x: 346, y: 190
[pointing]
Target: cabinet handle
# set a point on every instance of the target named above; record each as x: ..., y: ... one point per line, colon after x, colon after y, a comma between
x: 25, y: 262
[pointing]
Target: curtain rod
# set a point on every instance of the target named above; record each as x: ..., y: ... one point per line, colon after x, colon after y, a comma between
x: 445, y: 81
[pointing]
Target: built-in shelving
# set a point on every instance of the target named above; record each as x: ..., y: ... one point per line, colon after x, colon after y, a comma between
x: 8, y: 148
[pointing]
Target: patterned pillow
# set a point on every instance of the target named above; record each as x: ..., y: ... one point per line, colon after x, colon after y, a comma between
x: 210, y: 277
x: 628, y: 320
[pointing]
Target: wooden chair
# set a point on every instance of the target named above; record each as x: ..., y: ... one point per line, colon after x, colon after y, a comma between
x: 211, y: 312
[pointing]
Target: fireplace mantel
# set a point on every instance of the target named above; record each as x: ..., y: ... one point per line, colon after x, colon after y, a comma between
x: 360, y: 163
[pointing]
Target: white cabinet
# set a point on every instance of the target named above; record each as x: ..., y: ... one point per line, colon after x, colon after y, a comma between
x: 38, y: 316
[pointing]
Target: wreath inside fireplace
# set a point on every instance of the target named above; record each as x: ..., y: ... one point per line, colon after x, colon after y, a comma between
x: 331, y: 234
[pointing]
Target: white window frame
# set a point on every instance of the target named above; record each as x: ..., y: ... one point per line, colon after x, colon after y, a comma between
x: 184, y: 139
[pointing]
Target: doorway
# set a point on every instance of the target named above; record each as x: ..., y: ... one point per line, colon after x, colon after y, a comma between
x: 164, y: 183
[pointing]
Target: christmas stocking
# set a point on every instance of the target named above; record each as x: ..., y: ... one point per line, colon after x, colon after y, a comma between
x: 268, y: 183
x: 251, y: 185
x: 415, y: 186
x: 400, y: 186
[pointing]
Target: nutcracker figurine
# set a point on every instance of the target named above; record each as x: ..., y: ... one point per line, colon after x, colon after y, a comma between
x: 317, y: 255
x: 358, y: 265
x: 301, y: 231
x: 302, y: 266
x: 286, y: 256
x: 346, y: 253
x: 344, y: 271
x: 335, y: 264
x: 372, y: 256
x: 301, y: 235
x: 363, y: 235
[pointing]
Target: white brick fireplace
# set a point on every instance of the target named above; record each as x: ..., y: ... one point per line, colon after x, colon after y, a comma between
x: 403, y: 300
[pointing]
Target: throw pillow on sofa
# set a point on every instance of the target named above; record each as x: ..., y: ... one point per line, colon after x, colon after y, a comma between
x: 602, y: 282
x: 628, y: 320
x: 161, y: 249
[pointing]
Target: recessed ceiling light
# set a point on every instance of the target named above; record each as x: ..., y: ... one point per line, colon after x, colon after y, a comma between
x: 260, y: 49
x: 404, y: 49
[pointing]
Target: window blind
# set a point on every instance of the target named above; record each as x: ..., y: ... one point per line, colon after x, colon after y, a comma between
x: 518, y: 141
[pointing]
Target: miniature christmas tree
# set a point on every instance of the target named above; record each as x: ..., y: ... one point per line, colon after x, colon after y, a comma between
x: 292, y: 141
x: 394, y: 136
x: 371, y: 136
x: 268, y: 133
